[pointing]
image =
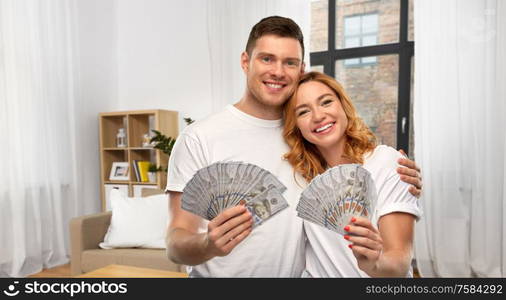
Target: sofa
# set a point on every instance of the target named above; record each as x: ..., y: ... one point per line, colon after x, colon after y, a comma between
x: 87, y: 232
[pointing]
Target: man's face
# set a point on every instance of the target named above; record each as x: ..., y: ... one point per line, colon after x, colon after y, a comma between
x: 273, y: 69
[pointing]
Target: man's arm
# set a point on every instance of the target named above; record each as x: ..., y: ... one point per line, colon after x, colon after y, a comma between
x: 410, y: 174
x: 187, y: 246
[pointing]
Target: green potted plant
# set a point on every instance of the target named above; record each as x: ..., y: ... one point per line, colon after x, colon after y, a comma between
x: 165, y: 143
x: 152, y: 170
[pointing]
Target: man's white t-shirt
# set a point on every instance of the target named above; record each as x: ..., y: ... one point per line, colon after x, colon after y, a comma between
x: 327, y: 252
x: 273, y: 249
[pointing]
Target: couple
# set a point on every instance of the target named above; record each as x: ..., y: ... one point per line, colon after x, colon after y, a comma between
x: 321, y: 130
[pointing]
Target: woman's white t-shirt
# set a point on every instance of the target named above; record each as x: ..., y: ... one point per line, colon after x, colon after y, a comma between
x: 327, y: 252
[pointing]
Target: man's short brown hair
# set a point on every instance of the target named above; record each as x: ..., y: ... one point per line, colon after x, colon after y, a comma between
x: 276, y: 25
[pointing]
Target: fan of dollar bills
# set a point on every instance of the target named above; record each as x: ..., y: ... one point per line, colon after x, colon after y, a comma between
x: 226, y: 184
x: 337, y: 195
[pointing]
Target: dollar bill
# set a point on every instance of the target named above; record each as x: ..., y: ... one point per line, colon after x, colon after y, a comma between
x: 265, y: 205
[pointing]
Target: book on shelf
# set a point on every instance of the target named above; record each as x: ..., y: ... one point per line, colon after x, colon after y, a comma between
x: 136, y: 171
x: 143, y: 170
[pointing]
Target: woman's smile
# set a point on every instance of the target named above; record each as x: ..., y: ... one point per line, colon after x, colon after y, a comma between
x: 324, y: 128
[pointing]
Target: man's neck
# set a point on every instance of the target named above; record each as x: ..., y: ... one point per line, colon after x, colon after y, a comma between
x: 258, y: 110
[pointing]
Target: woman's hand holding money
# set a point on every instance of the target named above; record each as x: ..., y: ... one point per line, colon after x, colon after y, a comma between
x: 228, y: 229
x: 367, y: 245
x: 383, y: 253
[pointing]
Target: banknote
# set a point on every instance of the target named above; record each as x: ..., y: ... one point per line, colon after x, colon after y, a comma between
x: 265, y: 205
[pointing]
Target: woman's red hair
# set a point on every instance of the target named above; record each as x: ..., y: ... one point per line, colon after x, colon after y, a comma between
x: 304, y: 157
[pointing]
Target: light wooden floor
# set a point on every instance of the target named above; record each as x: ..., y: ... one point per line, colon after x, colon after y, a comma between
x: 62, y: 271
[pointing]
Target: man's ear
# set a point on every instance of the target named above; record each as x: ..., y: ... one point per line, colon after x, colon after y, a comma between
x: 303, y: 68
x: 245, y: 61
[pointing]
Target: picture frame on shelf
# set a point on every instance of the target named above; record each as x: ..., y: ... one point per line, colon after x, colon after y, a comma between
x: 119, y: 171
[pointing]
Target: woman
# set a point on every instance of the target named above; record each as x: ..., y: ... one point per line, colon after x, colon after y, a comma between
x: 323, y: 130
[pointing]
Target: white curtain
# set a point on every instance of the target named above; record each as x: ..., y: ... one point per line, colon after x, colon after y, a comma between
x: 229, y: 23
x: 460, y: 136
x: 38, y: 91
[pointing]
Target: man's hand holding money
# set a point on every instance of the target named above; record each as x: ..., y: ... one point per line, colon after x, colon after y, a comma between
x: 234, y: 197
x: 227, y: 230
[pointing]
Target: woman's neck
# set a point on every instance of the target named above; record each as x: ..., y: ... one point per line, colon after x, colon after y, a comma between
x: 334, y: 156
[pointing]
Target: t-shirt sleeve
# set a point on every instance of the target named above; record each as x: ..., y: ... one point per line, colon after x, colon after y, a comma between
x: 187, y: 157
x: 394, y: 196
x: 393, y: 193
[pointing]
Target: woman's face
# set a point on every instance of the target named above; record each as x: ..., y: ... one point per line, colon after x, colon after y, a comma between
x: 320, y: 115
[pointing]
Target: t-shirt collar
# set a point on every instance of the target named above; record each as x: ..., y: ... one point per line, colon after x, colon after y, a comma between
x: 254, y: 120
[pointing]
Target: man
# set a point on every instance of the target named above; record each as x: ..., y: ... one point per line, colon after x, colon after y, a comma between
x: 248, y: 131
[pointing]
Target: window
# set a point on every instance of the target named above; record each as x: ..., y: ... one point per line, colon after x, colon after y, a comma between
x: 360, y: 30
x: 367, y: 45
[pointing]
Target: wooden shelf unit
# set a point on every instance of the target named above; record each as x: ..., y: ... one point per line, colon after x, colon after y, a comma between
x: 136, y: 124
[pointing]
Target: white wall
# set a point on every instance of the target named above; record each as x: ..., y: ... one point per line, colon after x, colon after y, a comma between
x: 96, y: 46
x: 163, y: 59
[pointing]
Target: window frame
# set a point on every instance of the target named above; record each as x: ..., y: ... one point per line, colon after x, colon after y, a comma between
x: 403, y: 48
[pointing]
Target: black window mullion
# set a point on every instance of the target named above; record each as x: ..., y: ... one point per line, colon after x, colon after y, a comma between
x: 367, y: 51
x: 330, y: 68
x: 404, y: 90
x: 403, y: 21
x: 319, y: 58
x: 404, y: 82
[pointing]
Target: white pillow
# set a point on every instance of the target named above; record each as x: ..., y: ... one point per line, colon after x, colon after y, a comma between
x: 137, y: 222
